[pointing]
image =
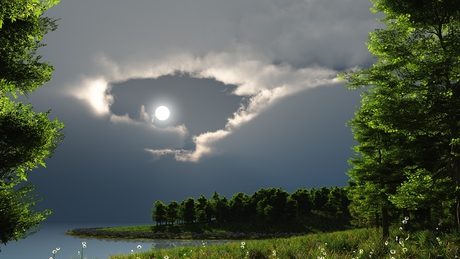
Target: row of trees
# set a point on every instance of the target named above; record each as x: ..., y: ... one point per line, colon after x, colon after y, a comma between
x: 27, y: 138
x: 408, y: 125
x: 268, y: 205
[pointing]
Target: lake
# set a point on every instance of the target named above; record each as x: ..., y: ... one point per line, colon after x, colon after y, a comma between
x: 52, y: 235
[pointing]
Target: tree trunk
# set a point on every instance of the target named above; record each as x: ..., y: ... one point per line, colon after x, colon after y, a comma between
x: 385, y: 223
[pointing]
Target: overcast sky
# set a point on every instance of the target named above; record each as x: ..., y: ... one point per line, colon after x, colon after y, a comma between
x: 250, y: 84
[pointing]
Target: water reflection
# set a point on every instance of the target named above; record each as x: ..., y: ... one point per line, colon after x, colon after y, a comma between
x: 52, y: 235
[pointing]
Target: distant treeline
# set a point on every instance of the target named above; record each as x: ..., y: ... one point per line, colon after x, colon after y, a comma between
x: 267, y: 205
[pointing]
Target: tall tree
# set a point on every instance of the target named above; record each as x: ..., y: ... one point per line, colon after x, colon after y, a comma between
x: 159, y: 212
x: 416, y: 84
x: 304, y: 203
x: 221, y: 209
x: 377, y: 167
x: 238, y: 207
x: 27, y: 138
x: 319, y: 197
x: 201, y: 208
x: 189, y: 210
x: 173, y: 211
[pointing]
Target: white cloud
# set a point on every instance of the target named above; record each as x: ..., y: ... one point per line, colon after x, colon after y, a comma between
x: 268, y: 48
x: 94, y: 92
x: 261, y: 82
x: 145, y: 116
x: 203, y: 147
x: 122, y: 119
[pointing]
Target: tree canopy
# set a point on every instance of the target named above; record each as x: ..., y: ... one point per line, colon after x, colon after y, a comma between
x: 409, y: 122
x: 27, y: 138
x: 270, y: 206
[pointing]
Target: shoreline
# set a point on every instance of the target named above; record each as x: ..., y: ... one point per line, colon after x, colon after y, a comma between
x: 99, y: 233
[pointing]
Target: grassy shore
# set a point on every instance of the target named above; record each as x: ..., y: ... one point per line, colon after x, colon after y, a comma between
x: 329, y: 239
x: 356, y: 243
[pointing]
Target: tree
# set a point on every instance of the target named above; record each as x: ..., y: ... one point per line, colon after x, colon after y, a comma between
x: 16, y: 219
x: 173, y: 211
x: 159, y: 212
x: 189, y: 210
x: 377, y: 167
x: 22, y: 27
x: 319, y: 197
x: 256, y: 204
x: 304, y: 203
x: 27, y: 139
x: 335, y: 201
x: 237, y: 207
x: 278, y: 200
x: 416, y: 82
x: 209, y: 210
x: 221, y: 208
x: 201, y: 208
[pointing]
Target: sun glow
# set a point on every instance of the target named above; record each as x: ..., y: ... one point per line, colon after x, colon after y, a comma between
x: 162, y: 113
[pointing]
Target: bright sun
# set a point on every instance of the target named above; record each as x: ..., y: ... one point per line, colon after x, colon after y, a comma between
x: 162, y: 113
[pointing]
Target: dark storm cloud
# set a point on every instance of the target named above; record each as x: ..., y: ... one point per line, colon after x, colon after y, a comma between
x: 301, y: 33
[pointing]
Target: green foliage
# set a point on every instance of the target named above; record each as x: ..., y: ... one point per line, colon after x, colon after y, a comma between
x: 17, y: 219
x: 421, y: 191
x: 173, y: 211
x: 159, y: 211
x: 221, y: 207
x: 303, y: 200
x: 356, y: 243
x: 189, y: 210
x: 407, y: 127
x: 27, y: 138
x: 264, y: 210
x: 22, y: 27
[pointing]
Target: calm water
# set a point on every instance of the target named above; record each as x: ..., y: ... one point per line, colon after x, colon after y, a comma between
x: 52, y: 235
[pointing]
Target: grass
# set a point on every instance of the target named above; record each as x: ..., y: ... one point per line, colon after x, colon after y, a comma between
x: 356, y: 243
x: 349, y: 243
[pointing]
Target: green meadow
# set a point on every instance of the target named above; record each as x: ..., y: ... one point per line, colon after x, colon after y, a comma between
x: 354, y: 243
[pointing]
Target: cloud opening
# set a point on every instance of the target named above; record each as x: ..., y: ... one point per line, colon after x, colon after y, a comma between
x: 261, y: 83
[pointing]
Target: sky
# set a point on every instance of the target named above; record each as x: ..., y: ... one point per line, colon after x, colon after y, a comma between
x: 251, y: 86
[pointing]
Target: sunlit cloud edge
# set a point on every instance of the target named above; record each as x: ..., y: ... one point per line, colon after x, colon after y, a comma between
x: 261, y: 82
